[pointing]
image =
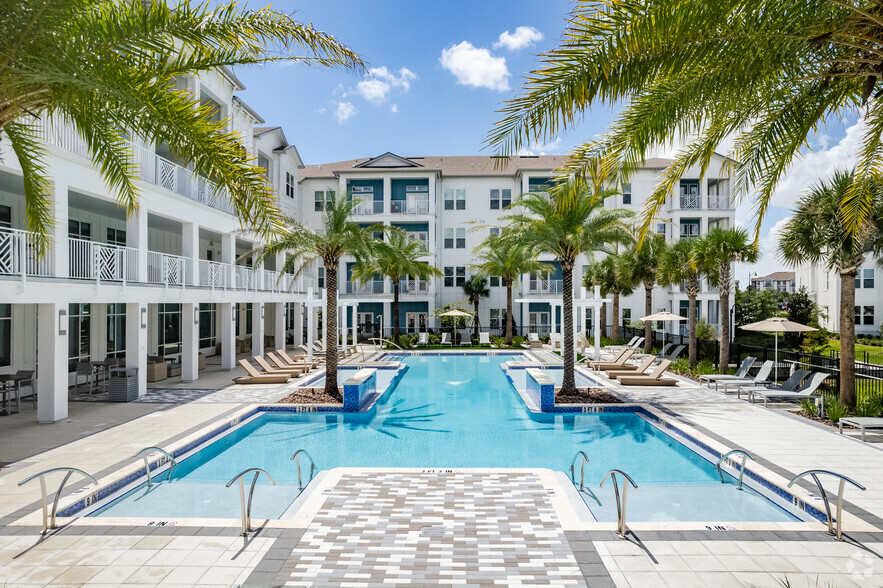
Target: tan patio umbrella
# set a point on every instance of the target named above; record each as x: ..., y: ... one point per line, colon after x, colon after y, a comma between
x: 663, y: 316
x: 456, y: 313
x: 777, y: 324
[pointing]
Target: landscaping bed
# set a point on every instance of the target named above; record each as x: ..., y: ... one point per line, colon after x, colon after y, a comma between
x: 311, y: 396
x: 587, y: 396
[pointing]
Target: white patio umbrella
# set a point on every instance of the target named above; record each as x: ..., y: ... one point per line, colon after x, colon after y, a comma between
x: 455, y: 313
x: 777, y: 324
x: 663, y: 316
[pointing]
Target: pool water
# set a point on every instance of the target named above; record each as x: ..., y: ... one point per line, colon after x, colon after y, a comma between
x: 457, y: 411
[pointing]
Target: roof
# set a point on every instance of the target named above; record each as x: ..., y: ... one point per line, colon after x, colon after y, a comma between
x: 258, y: 131
x: 248, y: 109
x: 775, y: 276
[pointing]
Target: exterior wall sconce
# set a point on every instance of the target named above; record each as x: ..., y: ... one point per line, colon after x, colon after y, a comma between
x: 62, y: 322
x: 196, y: 315
x: 262, y: 310
x: 143, y: 317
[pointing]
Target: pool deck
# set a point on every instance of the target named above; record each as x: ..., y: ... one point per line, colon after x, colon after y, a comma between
x: 365, y: 527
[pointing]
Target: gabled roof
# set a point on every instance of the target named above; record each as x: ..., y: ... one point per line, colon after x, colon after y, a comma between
x: 258, y: 131
x: 775, y: 276
x: 449, y: 165
x: 388, y: 160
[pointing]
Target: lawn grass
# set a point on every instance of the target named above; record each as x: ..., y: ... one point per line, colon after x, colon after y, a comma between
x: 875, y: 353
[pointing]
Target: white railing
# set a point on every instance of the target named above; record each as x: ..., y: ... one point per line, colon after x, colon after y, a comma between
x: 537, y: 286
x: 369, y: 287
x: 414, y: 287
x: 18, y: 254
x: 367, y: 207
x: 213, y: 274
x: 104, y: 262
x: 691, y: 202
x: 244, y: 277
x: 298, y: 284
x: 410, y: 206
x: 719, y: 201
x: 269, y: 278
x: 163, y: 268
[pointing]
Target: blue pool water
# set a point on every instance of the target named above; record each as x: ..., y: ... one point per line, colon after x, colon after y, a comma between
x: 453, y: 412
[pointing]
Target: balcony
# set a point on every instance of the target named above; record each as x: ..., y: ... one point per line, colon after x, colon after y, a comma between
x: 719, y: 202
x: 18, y: 255
x: 364, y: 288
x: 413, y: 287
x: 166, y: 269
x: 102, y: 262
x: 410, y: 206
x: 690, y: 202
x: 538, y: 286
x: 367, y: 208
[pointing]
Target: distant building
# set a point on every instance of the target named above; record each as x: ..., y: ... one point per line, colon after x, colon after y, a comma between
x: 823, y: 287
x: 781, y: 281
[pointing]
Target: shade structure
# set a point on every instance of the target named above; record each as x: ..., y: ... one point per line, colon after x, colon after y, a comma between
x: 663, y: 316
x: 777, y: 324
x: 456, y: 313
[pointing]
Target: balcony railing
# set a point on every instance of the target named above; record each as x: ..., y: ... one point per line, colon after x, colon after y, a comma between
x: 414, y: 287
x: 244, y: 277
x: 368, y: 207
x: 18, y: 254
x: 410, y: 206
x: 535, y: 286
x: 691, y: 202
x: 719, y: 201
x: 166, y: 269
x: 370, y: 287
x: 214, y: 275
x: 104, y: 262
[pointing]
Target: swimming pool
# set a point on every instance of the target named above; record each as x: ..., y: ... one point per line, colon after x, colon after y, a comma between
x: 453, y: 411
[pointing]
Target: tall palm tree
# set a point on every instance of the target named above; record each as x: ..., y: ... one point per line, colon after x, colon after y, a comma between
x: 106, y: 67
x: 613, y: 276
x: 397, y: 258
x: 680, y: 265
x: 643, y: 265
x: 764, y: 73
x: 500, y: 256
x: 566, y: 226
x: 476, y: 288
x: 818, y: 232
x: 339, y: 236
x: 718, y: 250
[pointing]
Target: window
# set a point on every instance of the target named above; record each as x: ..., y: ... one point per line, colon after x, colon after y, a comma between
x: 498, y: 318
x: 207, y: 325
x: 168, y: 328
x: 627, y: 194
x: 449, y: 200
x: 321, y: 280
x: 5, y: 217
x: 455, y: 199
x: 864, y: 311
x: 79, y: 229
x: 869, y: 278
x: 79, y: 316
x: 689, y: 228
x: 289, y: 185
x: 449, y: 277
x: 500, y: 198
x: 494, y: 281
x: 264, y: 164
x: 248, y: 318
x: 626, y: 316
x: 495, y: 231
x: 449, y: 239
x: 116, y: 237
x: 660, y: 228
x: 321, y: 198
x: 116, y: 330
x: 461, y: 275
x: 455, y: 239
x: 461, y: 238
x: 455, y: 276
x: 461, y: 199
x: 5, y: 334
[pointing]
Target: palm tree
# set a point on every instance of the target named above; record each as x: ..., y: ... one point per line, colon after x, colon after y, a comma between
x: 818, y: 232
x: 762, y: 73
x: 397, y: 258
x: 680, y: 265
x: 567, y: 225
x: 339, y: 236
x: 475, y: 289
x: 106, y: 67
x: 643, y: 266
x: 613, y: 276
x: 500, y: 256
x: 718, y: 250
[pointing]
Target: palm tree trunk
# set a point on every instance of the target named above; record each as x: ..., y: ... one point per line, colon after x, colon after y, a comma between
x: 331, y: 331
x: 395, y: 311
x: 568, y: 385
x: 614, y: 333
x: 602, y: 318
x: 648, y: 310
x: 508, y: 312
x: 847, y: 338
x: 723, y: 361
x: 475, y: 318
x: 694, y: 352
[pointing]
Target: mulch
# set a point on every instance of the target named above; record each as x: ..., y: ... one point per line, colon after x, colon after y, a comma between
x: 311, y: 396
x: 587, y: 396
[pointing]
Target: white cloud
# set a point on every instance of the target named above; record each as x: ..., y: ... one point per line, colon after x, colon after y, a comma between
x: 769, y: 261
x: 541, y: 148
x: 521, y: 38
x: 344, y: 112
x: 323, y: 110
x: 394, y: 108
x: 475, y: 67
x: 380, y: 81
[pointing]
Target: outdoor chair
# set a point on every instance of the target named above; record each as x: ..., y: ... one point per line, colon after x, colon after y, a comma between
x: 662, y: 351
x: 268, y: 369
x: 255, y: 377
x: 422, y: 340
x: 675, y: 353
x: 466, y: 341
x: 87, y: 370
x: 789, y: 385
x: 446, y: 340
x: 740, y: 374
x: 617, y: 364
x: 761, y: 378
x: 303, y: 363
x: 484, y: 339
x: 630, y: 370
x: 807, y: 390
x: 626, y: 346
x: 281, y: 365
x: 654, y: 378
x: 533, y: 340
x: 24, y: 378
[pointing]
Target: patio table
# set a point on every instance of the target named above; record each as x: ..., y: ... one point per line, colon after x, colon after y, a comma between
x: 5, y: 381
x: 105, y: 366
x: 862, y: 423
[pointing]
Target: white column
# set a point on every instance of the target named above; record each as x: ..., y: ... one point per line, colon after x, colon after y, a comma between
x: 353, y: 327
x: 60, y: 246
x: 342, y: 313
x: 52, y: 383
x: 190, y: 250
x: 596, y: 323
x: 189, y: 342
x: 225, y: 312
x: 228, y: 256
x: 298, y: 323
x: 136, y: 238
x: 311, y: 329
x: 98, y: 331
x: 136, y: 342
x: 257, y: 328
x: 279, y: 324
x: 387, y: 194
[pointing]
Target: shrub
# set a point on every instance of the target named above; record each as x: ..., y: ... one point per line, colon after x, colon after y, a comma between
x: 869, y: 407
x: 835, y: 409
x: 434, y: 339
x: 809, y: 406
x: 405, y: 341
x: 704, y: 330
x: 546, y: 339
x: 517, y: 341
x: 498, y: 341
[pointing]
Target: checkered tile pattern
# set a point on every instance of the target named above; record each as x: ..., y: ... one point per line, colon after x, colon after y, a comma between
x: 434, y: 528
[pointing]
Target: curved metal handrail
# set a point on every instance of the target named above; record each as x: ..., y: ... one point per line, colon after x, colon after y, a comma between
x: 843, y: 480
x: 744, y: 454
x: 143, y: 453
x: 621, y: 528
x: 582, y: 471
x: 296, y: 457
x: 246, y: 509
x: 46, y: 525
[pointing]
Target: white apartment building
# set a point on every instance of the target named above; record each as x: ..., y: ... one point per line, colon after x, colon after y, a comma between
x: 443, y: 200
x: 169, y: 281
x: 781, y: 281
x: 823, y: 288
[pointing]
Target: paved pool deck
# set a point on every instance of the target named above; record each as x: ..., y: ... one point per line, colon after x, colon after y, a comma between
x: 507, y: 527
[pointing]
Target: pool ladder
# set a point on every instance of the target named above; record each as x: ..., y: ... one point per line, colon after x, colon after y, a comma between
x: 621, y: 527
x: 48, y: 523
x: 246, y: 507
x: 145, y: 453
x: 843, y: 479
x: 745, y: 455
x: 296, y: 458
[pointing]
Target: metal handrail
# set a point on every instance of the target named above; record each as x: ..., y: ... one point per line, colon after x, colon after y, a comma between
x: 41, y: 475
x: 143, y: 453
x: 296, y: 457
x: 843, y: 480
x: 621, y: 528
x: 382, y: 341
x: 582, y: 471
x: 744, y: 454
x: 246, y: 509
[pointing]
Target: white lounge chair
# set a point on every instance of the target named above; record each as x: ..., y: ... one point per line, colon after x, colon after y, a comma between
x: 533, y: 340
x: 760, y: 379
x: 805, y: 391
x: 446, y: 340
x: 485, y: 339
x: 422, y: 340
x: 862, y: 423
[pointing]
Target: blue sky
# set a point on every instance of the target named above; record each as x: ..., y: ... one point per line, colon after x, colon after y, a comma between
x: 439, y: 73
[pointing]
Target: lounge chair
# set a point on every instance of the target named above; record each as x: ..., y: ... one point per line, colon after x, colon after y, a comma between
x: 662, y: 351
x: 533, y: 340
x: 654, y: 378
x: 789, y: 385
x: 862, y: 423
x: 485, y: 339
x: 616, y: 364
x: 615, y: 358
x: 446, y: 339
x: 280, y: 364
x: 760, y: 379
x: 740, y: 374
x: 631, y: 370
x: 807, y: 390
x: 554, y: 341
x: 301, y: 363
x: 619, y: 347
x: 255, y: 377
x: 422, y: 340
x: 674, y: 354
x: 268, y: 369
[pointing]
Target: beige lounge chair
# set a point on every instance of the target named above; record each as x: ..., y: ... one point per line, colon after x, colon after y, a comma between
x: 282, y: 365
x: 255, y: 377
x: 268, y: 369
x: 630, y: 370
x: 302, y: 363
x: 618, y: 362
x: 533, y: 339
x: 654, y: 378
